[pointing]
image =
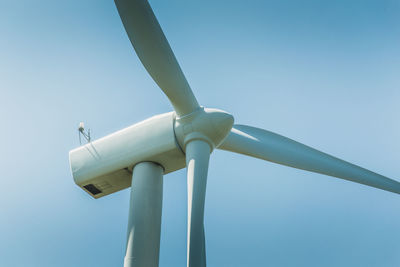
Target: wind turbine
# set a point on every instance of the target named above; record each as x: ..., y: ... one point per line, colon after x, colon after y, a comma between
x: 139, y: 156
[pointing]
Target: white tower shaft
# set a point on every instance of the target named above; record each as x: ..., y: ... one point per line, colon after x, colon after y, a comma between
x: 144, y: 225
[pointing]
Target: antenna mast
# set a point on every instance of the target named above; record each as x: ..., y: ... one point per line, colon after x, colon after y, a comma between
x: 81, y: 130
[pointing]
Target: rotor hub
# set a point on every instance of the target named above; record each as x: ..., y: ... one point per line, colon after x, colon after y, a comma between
x: 207, y: 124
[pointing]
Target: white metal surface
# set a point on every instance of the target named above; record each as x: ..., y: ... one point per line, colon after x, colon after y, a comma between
x: 144, y: 225
x: 197, y: 158
x: 273, y: 147
x: 157, y: 57
x: 208, y: 124
x: 106, y: 164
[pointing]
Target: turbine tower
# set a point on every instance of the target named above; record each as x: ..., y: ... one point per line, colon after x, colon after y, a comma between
x: 139, y: 156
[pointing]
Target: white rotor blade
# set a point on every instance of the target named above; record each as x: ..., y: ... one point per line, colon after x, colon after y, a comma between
x: 269, y: 146
x: 197, y: 158
x: 153, y: 49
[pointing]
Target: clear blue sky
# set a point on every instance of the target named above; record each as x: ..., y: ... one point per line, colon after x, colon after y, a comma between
x: 325, y: 73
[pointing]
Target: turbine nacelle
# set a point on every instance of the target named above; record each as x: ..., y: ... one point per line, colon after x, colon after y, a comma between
x: 104, y: 166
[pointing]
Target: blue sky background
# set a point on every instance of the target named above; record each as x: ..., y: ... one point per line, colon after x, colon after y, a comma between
x: 325, y: 73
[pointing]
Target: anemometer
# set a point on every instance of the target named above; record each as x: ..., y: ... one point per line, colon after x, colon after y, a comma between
x: 81, y: 132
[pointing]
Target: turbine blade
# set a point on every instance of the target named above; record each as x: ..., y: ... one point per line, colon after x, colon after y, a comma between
x: 272, y: 147
x: 153, y: 50
x: 197, y: 158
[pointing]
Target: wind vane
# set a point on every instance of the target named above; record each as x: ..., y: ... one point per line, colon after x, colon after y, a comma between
x: 82, y: 132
